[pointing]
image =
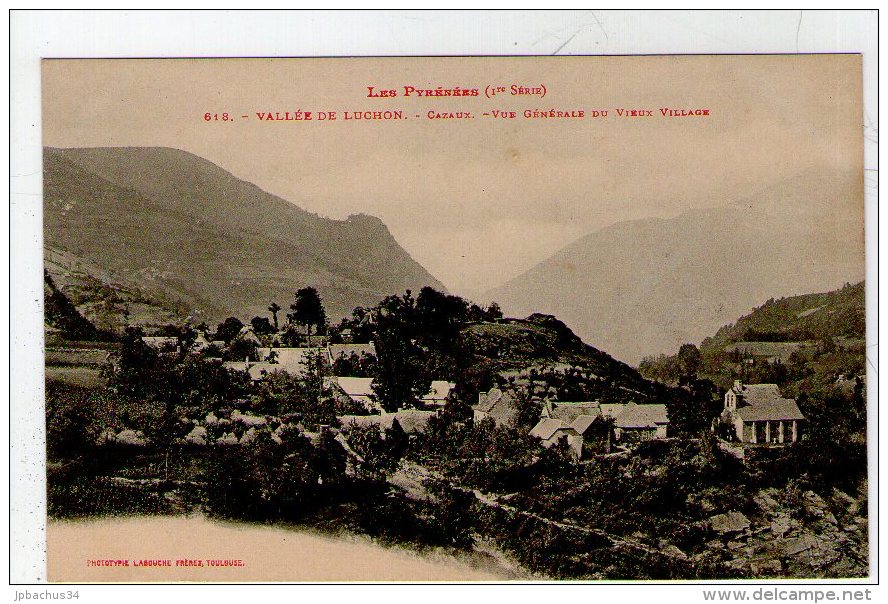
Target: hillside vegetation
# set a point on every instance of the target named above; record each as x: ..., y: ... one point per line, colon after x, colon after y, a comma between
x: 174, y: 431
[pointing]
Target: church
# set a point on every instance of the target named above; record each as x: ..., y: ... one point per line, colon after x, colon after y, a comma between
x: 760, y: 415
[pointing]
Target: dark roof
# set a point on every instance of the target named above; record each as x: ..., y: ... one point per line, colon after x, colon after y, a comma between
x: 642, y: 416
x: 571, y: 411
x: 761, y: 402
x: 486, y: 400
x: 504, y: 411
x: 782, y: 409
x: 498, y: 405
x: 546, y: 427
x: 582, y: 423
x: 612, y: 410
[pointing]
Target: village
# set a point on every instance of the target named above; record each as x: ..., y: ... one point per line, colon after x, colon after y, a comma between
x: 431, y: 421
x: 753, y: 414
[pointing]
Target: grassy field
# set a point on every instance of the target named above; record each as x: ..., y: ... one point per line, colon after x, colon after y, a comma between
x: 83, y: 376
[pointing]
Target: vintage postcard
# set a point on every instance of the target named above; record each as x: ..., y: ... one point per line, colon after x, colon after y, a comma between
x: 455, y: 319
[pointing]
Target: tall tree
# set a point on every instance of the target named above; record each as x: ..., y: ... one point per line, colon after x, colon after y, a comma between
x: 402, y: 365
x: 261, y: 326
x: 308, y: 310
x: 689, y: 359
x: 275, y: 308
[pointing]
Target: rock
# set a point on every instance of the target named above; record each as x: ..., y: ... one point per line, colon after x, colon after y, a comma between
x: 767, y: 502
x: 247, y: 419
x: 732, y: 522
x: 228, y: 439
x: 276, y: 434
x: 794, y: 547
x: 825, y: 558
x: 851, y: 505
x: 211, y: 419
x: 132, y: 437
x: 766, y: 567
x: 814, y: 504
x: 105, y: 437
x: 249, y: 436
x: 781, y: 525
x: 706, y: 505
x: 738, y: 564
x: 672, y: 550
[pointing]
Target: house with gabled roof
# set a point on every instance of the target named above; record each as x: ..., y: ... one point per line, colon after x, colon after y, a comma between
x: 438, y: 394
x: 498, y: 405
x: 358, y: 390
x: 579, y: 423
x: 294, y: 360
x: 759, y: 414
x: 633, y: 421
x: 554, y: 431
x: 569, y: 411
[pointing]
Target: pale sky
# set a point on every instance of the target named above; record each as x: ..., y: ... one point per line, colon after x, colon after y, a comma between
x: 478, y: 201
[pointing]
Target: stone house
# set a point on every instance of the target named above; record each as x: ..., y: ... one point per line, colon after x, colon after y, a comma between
x: 759, y: 414
x: 553, y: 431
x: 500, y: 406
x: 633, y: 421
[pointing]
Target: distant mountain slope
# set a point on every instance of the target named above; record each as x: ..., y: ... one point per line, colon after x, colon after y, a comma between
x: 829, y: 315
x: 180, y: 228
x: 100, y: 298
x: 645, y: 287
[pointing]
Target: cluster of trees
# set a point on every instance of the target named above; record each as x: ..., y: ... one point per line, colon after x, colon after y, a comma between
x: 307, y: 311
x: 265, y: 480
x: 698, y: 401
x: 659, y: 504
x: 417, y: 340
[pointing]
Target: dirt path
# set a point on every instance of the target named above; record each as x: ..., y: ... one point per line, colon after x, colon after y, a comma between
x: 410, y: 477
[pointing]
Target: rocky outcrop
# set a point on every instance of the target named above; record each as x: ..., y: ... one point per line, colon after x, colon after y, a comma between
x: 792, y: 534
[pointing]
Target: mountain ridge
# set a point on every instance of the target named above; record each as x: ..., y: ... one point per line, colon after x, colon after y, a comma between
x: 645, y: 286
x: 167, y: 220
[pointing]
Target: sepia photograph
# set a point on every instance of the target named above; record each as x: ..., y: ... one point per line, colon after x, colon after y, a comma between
x: 460, y: 319
x: 380, y: 301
